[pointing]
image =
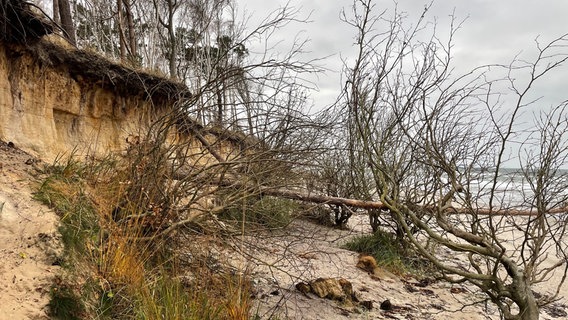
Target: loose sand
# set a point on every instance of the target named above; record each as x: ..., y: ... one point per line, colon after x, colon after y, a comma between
x: 28, y: 241
x: 311, y: 251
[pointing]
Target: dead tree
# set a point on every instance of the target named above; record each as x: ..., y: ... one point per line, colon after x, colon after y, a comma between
x: 426, y: 138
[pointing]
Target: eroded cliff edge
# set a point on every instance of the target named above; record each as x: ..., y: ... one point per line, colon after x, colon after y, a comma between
x: 55, y: 99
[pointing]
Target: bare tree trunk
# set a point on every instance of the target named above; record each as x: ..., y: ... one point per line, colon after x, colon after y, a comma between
x: 67, y: 21
x: 168, y: 24
x: 317, y: 198
x: 364, y: 204
x: 172, y: 36
x: 220, y: 107
x: 126, y: 32
x: 529, y: 310
x: 56, y: 18
x: 120, y: 23
x: 244, y: 92
x: 131, y: 32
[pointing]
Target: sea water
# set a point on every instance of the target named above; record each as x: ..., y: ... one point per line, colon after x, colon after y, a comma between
x: 515, y: 188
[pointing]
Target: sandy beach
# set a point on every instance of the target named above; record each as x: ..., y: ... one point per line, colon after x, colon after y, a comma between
x: 309, y: 251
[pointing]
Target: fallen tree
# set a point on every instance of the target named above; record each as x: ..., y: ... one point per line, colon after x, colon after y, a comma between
x: 364, y: 204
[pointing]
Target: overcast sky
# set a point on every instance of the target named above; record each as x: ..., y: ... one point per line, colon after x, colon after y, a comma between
x: 494, y: 32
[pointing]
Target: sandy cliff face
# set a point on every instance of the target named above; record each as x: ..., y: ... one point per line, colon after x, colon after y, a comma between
x: 48, y: 108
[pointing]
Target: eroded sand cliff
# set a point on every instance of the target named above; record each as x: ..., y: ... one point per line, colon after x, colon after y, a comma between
x: 55, y: 99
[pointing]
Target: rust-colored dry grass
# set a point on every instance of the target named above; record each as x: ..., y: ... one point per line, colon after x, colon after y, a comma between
x: 121, y: 276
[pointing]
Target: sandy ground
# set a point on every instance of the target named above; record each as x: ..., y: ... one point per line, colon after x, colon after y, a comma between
x: 28, y: 241
x: 309, y: 251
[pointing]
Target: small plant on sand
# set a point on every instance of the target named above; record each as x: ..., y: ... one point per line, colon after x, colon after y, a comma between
x: 65, y: 303
x: 62, y: 191
x: 389, y: 252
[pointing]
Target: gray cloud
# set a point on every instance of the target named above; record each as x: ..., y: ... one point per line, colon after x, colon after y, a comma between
x: 494, y: 32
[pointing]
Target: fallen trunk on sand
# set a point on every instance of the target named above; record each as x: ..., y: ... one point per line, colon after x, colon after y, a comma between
x: 322, y: 199
x: 365, y: 204
x: 355, y: 203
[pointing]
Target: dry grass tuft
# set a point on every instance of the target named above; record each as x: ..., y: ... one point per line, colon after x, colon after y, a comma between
x: 114, y: 268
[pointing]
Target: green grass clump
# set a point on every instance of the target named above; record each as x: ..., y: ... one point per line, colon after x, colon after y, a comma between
x: 65, y: 304
x: 269, y: 212
x: 162, y: 299
x: 79, y: 221
x: 390, y: 253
